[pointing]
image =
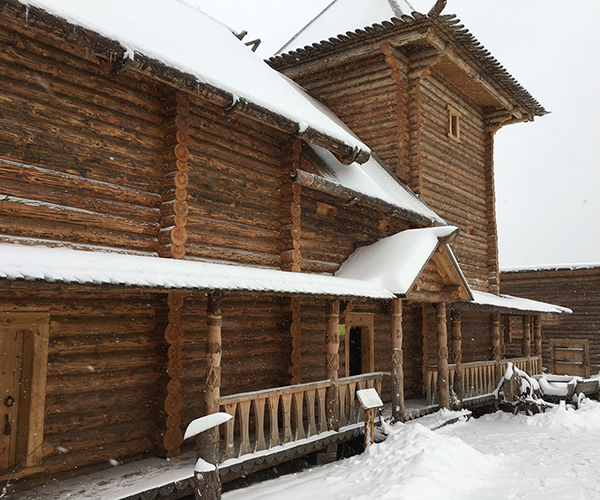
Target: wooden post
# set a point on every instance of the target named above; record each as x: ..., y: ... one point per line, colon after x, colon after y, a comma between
x: 537, y: 332
x: 296, y: 331
x: 208, y: 442
x: 397, y: 359
x: 332, y: 341
x: 496, y: 351
x: 526, y: 345
x: 442, y: 338
x: 369, y: 427
x: 457, y: 353
x: 425, y: 347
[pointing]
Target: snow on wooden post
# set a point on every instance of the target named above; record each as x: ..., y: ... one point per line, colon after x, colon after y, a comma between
x: 496, y: 353
x: 457, y: 353
x: 537, y: 332
x: 442, y: 338
x: 332, y: 341
x: 370, y: 400
x: 397, y: 359
x: 526, y: 345
x: 208, y: 443
x: 206, y: 475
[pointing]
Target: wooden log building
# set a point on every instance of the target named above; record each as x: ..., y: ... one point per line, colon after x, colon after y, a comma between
x: 178, y: 238
x: 571, y: 343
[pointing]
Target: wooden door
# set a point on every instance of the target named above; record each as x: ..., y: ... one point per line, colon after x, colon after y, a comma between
x: 365, y: 323
x: 570, y: 357
x: 23, y: 364
x: 11, y: 364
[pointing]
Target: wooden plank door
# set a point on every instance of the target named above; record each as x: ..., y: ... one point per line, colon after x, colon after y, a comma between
x: 11, y: 362
x: 570, y: 357
x: 23, y: 364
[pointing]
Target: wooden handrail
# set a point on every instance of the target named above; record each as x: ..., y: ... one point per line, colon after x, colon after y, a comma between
x: 351, y: 412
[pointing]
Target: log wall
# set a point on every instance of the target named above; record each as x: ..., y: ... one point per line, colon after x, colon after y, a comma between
x: 101, y: 379
x: 85, y: 144
x: 454, y: 175
x: 578, y: 289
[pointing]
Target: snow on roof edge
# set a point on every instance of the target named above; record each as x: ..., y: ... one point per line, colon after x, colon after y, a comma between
x: 517, y: 303
x: 65, y: 265
x: 550, y: 267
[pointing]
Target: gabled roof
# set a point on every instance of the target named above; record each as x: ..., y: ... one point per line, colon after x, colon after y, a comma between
x: 373, y: 180
x: 453, y: 34
x: 341, y: 16
x: 396, y: 262
x: 182, y: 37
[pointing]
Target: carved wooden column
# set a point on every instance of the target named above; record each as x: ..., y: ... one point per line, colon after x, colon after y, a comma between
x: 537, y: 333
x: 208, y: 442
x: 397, y: 360
x: 333, y: 362
x: 457, y: 353
x: 496, y: 351
x: 425, y: 347
x: 526, y: 343
x: 442, y: 338
x: 170, y: 368
x: 296, y: 331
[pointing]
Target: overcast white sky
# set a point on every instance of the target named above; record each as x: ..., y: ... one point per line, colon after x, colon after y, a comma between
x: 547, y: 172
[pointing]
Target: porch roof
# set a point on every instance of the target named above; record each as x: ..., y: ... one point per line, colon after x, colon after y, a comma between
x: 516, y: 303
x: 66, y: 265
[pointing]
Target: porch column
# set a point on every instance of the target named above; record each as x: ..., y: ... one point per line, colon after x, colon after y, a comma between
x: 397, y: 359
x: 526, y: 345
x: 537, y: 333
x: 442, y: 338
x: 207, y: 444
x: 332, y: 341
x: 456, y: 319
x: 496, y: 351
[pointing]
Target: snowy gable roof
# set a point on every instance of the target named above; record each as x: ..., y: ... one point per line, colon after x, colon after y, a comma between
x: 341, y: 16
x: 396, y: 262
x: 184, y: 38
x: 372, y: 179
x: 64, y: 265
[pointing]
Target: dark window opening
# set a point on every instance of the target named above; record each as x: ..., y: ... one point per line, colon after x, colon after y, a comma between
x: 355, y: 351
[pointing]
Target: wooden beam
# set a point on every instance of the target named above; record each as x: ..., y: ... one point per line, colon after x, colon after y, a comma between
x: 496, y: 351
x: 207, y: 444
x: 424, y: 347
x: 398, y: 410
x: 332, y: 344
x: 526, y: 342
x: 296, y: 331
x: 456, y: 319
x: 442, y: 341
x: 537, y: 333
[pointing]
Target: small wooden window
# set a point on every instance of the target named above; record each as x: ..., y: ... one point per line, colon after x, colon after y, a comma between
x: 453, y: 123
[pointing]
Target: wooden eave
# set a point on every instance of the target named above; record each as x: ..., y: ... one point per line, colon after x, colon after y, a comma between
x: 349, y: 196
x: 114, y: 54
x: 470, y: 66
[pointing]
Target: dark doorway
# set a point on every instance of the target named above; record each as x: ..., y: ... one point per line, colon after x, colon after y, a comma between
x: 355, y: 351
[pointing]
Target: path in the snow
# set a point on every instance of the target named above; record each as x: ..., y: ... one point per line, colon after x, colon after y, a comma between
x: 497, y: 457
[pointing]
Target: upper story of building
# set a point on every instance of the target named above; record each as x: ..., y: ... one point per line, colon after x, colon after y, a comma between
x: 426, y: 97
x: 155, y: 138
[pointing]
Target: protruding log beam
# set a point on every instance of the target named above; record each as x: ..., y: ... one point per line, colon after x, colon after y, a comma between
x: 398, y: 410
x: 332, y: 341
x: 442, y: 338
x: 537, y: 333
x: 496, y: 350
x: 526, y: 343
x: 456, y: 320
x: 207, y: 444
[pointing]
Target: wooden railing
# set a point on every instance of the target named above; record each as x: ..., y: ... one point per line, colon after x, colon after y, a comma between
x: 294, y: 412
x: 478, y: 378
x: 350, y: 411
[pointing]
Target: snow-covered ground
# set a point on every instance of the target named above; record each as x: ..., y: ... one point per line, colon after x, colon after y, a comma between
x: 555, y: 455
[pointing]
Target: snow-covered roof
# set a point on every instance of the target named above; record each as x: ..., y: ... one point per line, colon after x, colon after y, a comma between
x: 396, y: 262
x: 551, y: 267
x: 184, y: 38
x: 65, y: 265
x: 341, y: 16
x: 516, y: 303
x: 372, y: 179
